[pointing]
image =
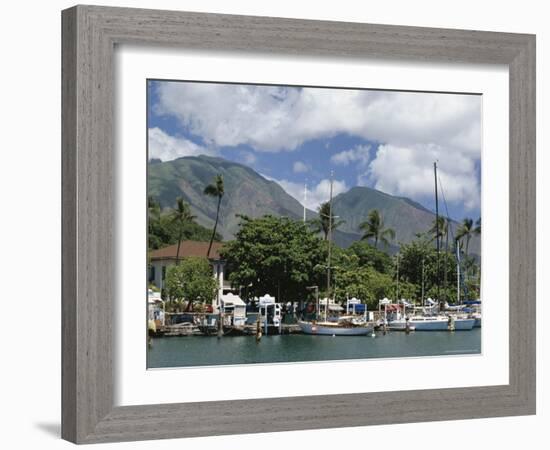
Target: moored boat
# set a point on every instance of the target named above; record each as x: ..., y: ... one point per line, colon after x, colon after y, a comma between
x: 461, y: 323
x: 429, y: 323
x: 477, y: 320
x: 400, y: 325
x: 335, y: 328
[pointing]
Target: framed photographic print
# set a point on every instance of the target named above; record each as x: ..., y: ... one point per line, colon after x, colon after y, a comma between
x: 286, y: 216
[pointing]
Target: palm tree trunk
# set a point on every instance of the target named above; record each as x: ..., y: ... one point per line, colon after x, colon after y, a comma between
x: 178, y: 250
x: 214, y: 229
x: 376, y: 241
x: 466, y: 267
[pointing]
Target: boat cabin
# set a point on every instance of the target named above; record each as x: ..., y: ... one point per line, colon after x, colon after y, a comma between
x: 234, y: 308
x: 155, y: 309
x: 354, y: 306
x: 270, y: 310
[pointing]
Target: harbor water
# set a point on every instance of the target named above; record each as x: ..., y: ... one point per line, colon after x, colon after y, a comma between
x: 187, y: 351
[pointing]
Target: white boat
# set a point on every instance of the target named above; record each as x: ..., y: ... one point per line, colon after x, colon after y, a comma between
x: 477, y: 319
x: 400, y: 325
x: 462, y: 323
x: 350, y: 325
x: 335, y: 328
x: 429, y: 323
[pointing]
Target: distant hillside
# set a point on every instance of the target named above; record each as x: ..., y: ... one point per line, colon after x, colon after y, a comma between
x: 249, y: 193
x: 404, y: 215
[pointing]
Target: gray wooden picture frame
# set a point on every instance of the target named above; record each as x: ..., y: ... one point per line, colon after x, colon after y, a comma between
x: 89, y: 36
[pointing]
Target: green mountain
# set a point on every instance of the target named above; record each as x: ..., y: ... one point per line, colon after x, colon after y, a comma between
x: 405, y: 216
x: 249, y: 193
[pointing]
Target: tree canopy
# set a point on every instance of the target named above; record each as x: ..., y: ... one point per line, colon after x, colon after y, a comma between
x: 191, y: 280
x: 275, y: 255
x: 163, y: 230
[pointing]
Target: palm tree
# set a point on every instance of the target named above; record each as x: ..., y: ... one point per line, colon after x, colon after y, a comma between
x: 153, y: 208
x: 373, y: 228
x: 466, y: 231
x: 323, y: 222
x: 215, y: 189
x: 477, y: 229
x: 181, y: 215
x: 441, y: 224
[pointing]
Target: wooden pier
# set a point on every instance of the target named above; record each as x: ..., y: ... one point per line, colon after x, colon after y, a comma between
x: 190, y: 329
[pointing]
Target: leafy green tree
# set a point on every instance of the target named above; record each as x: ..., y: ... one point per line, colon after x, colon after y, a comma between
x: 275, y: 255
x: 418, y: 265
x: 215, y: 189
x: 369, y: 285
x: 163, y: 231
x: 181, y: 215
x: 370, y: 256
x: 322, y: 223
x: 373, y: 228
x: 192, y: 281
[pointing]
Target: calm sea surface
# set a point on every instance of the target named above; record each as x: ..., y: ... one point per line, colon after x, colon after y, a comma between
x: 207, y: 351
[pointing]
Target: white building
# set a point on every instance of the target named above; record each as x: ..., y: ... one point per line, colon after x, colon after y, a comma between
x: 162, y: 258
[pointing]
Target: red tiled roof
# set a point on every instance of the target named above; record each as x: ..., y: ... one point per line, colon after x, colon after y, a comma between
x: 187, y: 248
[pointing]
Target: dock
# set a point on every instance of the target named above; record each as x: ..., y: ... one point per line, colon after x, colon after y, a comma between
x: 189, y: 329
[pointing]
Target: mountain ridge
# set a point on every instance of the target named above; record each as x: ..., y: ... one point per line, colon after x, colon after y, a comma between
x: 249, y: 193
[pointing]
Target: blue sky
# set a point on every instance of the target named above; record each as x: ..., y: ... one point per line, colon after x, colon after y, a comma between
x: 380, y: 139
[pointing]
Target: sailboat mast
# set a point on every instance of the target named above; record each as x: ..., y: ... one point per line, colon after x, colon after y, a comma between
x: 422, y: 281
x: 305, y: 199
x: 457, y: 274
x: 329, y: 244
x: 437, y: 230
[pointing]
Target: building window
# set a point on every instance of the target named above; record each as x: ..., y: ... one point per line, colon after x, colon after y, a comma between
x: 151, y: 274
x: 163, y: 273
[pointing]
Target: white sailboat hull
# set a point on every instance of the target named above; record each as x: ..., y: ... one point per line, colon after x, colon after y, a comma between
x: 329, y: 329
x: 464, y: 324
x: 429, y: 324
x: 399, y: 325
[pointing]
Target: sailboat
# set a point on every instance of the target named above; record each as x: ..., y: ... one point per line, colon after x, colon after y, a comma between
x: 460, y: 321
x: 456, y: 320
x: 344, y: 326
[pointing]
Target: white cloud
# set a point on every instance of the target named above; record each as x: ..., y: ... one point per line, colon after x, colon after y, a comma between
x: 165, y: 147
x: 271, y: 118
x: 300, y: 167
x: 358, y: 154
x: 316, y: 194
x: 409, y: 171
x: 411, y: 128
